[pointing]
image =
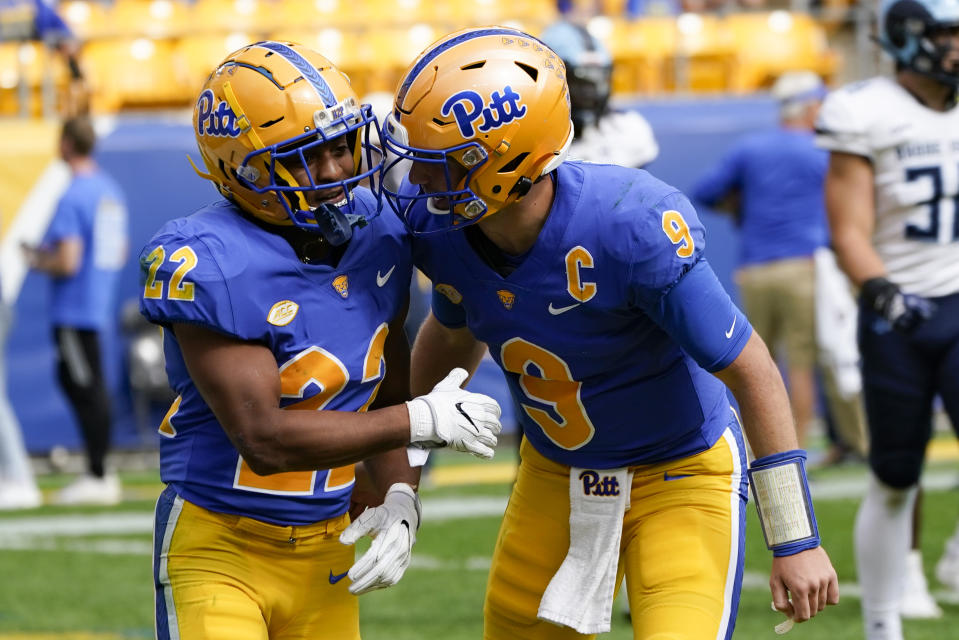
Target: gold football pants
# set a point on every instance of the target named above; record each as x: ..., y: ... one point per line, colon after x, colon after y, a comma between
x: 681, y: 548
x: 226, y: 577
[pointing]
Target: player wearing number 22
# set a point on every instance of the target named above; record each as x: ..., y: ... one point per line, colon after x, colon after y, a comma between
x: 280, y: 320
x: 589, y: 286
x: 892, y: 194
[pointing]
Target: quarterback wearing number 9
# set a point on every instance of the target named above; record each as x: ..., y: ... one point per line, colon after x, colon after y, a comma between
x: 589, y: 285
x: 282, y: 307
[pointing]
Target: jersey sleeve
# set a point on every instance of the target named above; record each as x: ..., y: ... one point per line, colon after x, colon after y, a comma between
x: 699, y: 314
x: 665, y: 242
x: 66, y: 223
x: 671, y: 281
x: 449, y: 313
x: 842, y: 127
x: 183, y: 282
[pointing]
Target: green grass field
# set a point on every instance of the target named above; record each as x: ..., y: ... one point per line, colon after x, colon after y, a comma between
x: 85, y: 574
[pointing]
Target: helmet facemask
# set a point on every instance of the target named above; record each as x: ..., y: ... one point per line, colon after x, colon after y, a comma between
x: 334, y: 220
x: 453, y: 205
x: 268, y: 110
x: 909, y: 33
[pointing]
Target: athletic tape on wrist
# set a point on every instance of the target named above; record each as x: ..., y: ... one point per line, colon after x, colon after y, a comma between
x: 781, y: 490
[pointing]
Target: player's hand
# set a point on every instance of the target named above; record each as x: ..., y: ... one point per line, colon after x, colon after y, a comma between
x: 393, y: 527
x: 453, y: 417
x: 803, y: 584
x: 904, y: 311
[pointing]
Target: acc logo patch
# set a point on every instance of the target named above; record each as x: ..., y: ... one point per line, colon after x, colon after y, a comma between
x: 282, y: 313
x: 507, y: 298
x: 342, y: 285
x: 594, y: 485
x: 450, y: 292
x: 468, y: 106
x: 215, y: 118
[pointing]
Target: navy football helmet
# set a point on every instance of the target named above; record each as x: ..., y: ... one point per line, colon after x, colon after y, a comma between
x: 907, y: 30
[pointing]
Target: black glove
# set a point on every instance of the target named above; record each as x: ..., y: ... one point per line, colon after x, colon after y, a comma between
x: 904, y: 311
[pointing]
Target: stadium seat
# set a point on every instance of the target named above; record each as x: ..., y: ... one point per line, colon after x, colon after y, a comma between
x: 257, y: 17
x: 642, y: 51
x: 41, y: 73
x: 767, y: 44
x: 703, y: 55
x: 197, y: 55
x: 322, y: 14
x: 150, y: 18
x: 135, y: 72
x: 391, y: 52
x: 88, y: 19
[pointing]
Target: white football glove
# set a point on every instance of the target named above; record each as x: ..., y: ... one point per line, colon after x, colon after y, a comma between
x: 456, y: 418
x: 393, y: 527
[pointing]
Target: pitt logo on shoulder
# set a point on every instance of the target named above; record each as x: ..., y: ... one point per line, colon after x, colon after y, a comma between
x: 215, y: 118
x: 507, y: 298
x: 467, y: 107
x: 595, y: 485
x: 342, y: 285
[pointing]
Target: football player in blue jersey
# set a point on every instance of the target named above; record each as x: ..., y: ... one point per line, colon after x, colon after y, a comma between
x: 283, y: 334
x: 589, y: 286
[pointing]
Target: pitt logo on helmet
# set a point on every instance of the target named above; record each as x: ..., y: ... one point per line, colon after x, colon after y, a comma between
x: 467, y: 107
x: 215, y: 118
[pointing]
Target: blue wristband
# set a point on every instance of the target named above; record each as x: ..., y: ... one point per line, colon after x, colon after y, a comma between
x: 780, y: 489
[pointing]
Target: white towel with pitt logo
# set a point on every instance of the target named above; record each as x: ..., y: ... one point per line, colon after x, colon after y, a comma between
x: 580, y: 595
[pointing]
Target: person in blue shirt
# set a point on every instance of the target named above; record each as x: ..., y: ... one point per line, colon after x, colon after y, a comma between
x: 772, y: 182
x: 83, y: 251
x: 588, y: 285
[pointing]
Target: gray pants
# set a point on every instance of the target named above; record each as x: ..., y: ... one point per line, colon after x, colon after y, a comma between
x: 14, y: 462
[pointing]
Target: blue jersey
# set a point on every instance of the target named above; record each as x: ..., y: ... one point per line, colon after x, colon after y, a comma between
x: 91, y: 210
x: 325, y: 325
x: 607, y: 327
x: 779, y: 175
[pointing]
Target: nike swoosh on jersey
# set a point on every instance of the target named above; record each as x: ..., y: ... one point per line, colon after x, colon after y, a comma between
x: 668, y: 477
x: 381, y: 279
x: 729, y: 334
x: 558, y: 310
x: 336, y: 578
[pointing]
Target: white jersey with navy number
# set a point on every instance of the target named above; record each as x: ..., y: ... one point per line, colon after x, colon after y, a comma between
x: 914, y: 152
x: 609, y: 326
x: 326, y: 327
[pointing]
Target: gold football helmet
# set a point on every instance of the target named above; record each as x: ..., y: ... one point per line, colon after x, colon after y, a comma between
x: 260, y: 113
x: 494, y: 101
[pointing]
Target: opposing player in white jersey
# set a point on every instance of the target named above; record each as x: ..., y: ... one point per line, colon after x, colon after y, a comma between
x: 601, y: 134
x: 892, y: 193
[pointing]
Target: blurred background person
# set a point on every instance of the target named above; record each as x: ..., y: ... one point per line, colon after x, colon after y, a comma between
x: 772, y: 183
x: 83, y: 250
x: 25, y: 20
x: 601, y: 134
x: 890, y: 184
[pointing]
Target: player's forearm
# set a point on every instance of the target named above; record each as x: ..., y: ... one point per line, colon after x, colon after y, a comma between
x: 303, y: 440
x: 61, y: 262
x: 757, y: 385
x: 856, y: 255
x: 439, y: 349
x: 390, y: 467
